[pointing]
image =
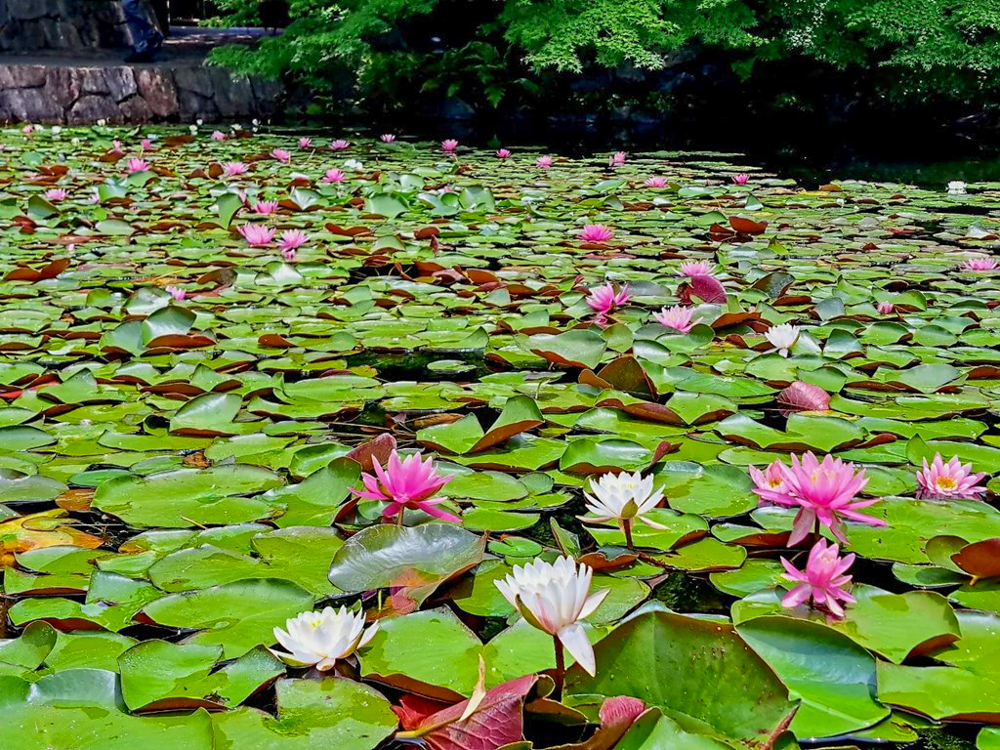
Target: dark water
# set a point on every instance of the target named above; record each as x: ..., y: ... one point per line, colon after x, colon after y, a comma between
x: 921, y: 157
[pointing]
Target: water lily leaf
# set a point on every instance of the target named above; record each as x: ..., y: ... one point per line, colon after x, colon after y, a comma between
x: 207, y: 416
x: 452, y: 437
x: 712, y: 491
x: 446, y: 665
x: 157, y: 676
x: 750, y: 578
x: 51, y: 528
x: 227, y: 206
x: 411, y: 561
x: 19, y: 488
x: 238, y: 616
x: 519, y: 414
x: 894, y: 626
x: 332, y: 712
x: 940, y: 692
x: 805, y: 396
x: 988, y: 738
x: 88, y: 650
x: 188, y: 497
x: 77, y: 710
x: 598, y: 456
x: 653, y: 730
x: 578, y: 348
x: 697, y: 671
x: 385, y: 204
x: 497, y: 720
x: 833, y: 676
x: 910, y: 524
x: 30, y: 649
x: 679, y: 528
x: 316, y: 500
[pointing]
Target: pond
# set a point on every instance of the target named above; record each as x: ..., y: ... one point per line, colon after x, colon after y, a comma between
x: 212, y: 345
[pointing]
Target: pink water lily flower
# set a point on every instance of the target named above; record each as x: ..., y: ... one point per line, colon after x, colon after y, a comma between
x: 288, y: 254
x: 305, y: 142
x: 234, y: 169
x: 676, y: 317
x: 116, y: 147
x: 606, y: 299
x: 176, y: 292
x: 28, y: 129
x: 56, y: 194
x: 279, y: 154
x: 543, y: 162
x: 218, y: 135
x: 824, y: 492
x: 265, y: 207
x: 256, y: 235
x: 596, y: 233
x: 503, y: 153
x: 617, y: 159
x: 449, y: 145
x: 146, y: 144
x: 885, y: 308
x: 334, y: 175
x: 824, y: 580
x: 980, y: 264
x: 656, y: 182
x: 949, y: 481
x: 407, y: 484
x: 741, y: 179
x: 691, y: 269
x: 770, y: 484
x: 387, y: 137
x: 292, y: 239
x: 340, y: 144
x: 133, y: 166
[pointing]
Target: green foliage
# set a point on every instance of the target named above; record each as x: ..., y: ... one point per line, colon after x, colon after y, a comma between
x: 507, y: 51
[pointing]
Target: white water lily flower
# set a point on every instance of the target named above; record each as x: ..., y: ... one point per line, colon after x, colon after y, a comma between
x: 319, y: 639
x: 782, y: 337
x: 555, y: 597
x: 623, y: 497
x: 956, y: 187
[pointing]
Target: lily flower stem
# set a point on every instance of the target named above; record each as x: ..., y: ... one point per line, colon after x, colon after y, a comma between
x: 817, y: 534
x: 560, y: 669
x: 627, y: 528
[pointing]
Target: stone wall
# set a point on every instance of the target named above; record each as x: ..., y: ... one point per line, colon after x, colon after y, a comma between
x: 121, y: 93
x: 33, y: 25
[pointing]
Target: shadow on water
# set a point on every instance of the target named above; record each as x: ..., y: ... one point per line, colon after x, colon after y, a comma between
x: 811, y: 156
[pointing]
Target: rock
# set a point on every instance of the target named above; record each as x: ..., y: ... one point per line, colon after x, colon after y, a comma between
x: 157, y: 88
x: 267, y: 95
x: 135, y: 109
x: 121, y: 93
x: 22, y: 76
x: 233, y: 93
x: 32, y: 25
x: 121, y: 82
x: 193, y: 106
x: 26, y: 105
x: 62, y: 85
x: 197, y: 80
x: 93, y: 81
x: 29, y: 10
x: 93, y: 107
x: 457, y: 109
